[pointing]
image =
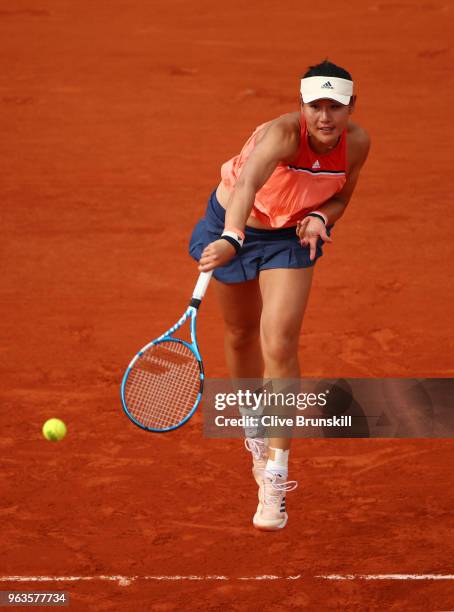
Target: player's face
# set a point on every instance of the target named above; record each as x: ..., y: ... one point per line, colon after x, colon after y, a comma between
x: 326, y: 120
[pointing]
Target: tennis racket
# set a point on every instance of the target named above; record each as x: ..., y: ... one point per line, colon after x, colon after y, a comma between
x: 163, y: 384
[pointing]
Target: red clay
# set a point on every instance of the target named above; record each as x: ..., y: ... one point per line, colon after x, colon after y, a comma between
x: 115, y: 120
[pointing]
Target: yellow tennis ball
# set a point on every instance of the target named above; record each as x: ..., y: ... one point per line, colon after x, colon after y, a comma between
x: 54, y: 430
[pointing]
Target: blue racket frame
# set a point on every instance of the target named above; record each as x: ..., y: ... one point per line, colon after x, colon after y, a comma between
x: 191, y: 312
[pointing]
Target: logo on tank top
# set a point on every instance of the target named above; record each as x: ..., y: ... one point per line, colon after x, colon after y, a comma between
x: 316, y: 165
x: 327, y: 85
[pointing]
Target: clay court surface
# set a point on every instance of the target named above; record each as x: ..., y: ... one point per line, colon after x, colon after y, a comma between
x: 115, y: 118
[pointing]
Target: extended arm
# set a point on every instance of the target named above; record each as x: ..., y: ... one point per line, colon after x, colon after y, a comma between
x: 278, y: 143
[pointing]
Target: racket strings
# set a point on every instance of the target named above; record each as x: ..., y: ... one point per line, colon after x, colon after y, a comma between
x: 163, y: 385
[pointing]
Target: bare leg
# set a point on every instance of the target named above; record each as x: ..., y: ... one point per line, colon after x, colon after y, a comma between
x: 241, y: 305
x: 285, y: 294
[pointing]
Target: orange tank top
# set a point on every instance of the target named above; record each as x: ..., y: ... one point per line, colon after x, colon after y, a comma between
x: 292, y: 190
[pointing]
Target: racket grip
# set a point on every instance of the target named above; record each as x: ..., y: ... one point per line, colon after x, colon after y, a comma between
x: 201, y: 286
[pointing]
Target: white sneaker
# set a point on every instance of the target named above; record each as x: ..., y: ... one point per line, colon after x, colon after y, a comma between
x: 259, y: 449
x: 271, y: 513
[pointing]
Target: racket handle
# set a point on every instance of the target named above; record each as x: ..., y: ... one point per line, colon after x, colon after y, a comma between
x: 200, y: 288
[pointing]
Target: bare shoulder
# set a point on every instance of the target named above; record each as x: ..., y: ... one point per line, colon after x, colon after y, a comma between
x: 286, y: 126
x: 282, y: 134
x: 358, y: 142
x: 289, y: 120
x: 289, y: 126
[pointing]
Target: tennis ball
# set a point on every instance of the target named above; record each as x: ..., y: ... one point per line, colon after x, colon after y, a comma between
x: 54, y: 430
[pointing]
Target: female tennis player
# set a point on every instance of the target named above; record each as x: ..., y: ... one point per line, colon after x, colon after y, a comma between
x: 263, y: 231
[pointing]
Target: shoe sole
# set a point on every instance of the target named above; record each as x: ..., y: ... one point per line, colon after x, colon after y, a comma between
x: 263, y: 527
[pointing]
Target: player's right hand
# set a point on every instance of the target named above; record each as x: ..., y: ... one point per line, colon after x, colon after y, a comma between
x: 216, y: 254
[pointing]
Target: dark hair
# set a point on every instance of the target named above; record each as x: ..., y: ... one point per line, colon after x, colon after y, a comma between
x: 328, y: 69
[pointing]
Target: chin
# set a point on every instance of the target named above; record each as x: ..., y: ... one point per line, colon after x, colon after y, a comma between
x: 332, y: 136
x: 331, y: 140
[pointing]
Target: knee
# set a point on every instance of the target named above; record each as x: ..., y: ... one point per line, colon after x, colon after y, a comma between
x: 239, y: 337
x: 279, y: 346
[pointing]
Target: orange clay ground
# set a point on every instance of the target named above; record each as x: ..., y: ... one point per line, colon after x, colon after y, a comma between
x: 115, y: 119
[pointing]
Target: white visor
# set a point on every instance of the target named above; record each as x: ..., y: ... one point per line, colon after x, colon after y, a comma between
x: 333, y: 88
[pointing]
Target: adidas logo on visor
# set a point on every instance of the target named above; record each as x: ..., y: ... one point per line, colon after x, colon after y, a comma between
x: 327, y: 85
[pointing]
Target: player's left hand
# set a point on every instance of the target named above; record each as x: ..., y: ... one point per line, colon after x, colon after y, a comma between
x: 309, y: 230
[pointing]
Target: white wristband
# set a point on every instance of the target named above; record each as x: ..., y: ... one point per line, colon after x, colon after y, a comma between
x: 321, y: 215
x: 233, y: 235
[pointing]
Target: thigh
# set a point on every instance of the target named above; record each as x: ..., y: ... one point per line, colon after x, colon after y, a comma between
x: 285, y: 293
x: 241, y: 304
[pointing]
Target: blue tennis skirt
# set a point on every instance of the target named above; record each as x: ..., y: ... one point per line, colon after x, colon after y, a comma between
x: 262, y: 249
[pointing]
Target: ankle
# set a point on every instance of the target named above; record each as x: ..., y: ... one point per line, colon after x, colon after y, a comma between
x: 257, y: 446
x: 279, y: 464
